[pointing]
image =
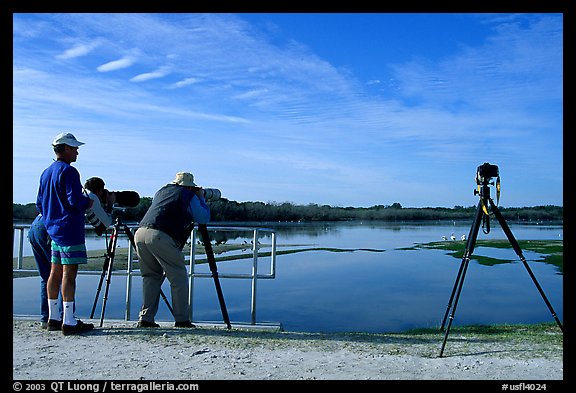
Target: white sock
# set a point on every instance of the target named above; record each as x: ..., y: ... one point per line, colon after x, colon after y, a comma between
x: 69, y: 314
x: 53, y: 311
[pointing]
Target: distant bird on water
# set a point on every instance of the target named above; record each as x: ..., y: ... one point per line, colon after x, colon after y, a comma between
x: 452, y: 237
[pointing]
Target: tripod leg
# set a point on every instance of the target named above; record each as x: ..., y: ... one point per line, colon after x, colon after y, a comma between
x: 212, y: 263
x: 111, y: 254
x: 165, y: 298
x: 462, y: 273
x: 104, y: 271
x: 518, y: 251
x: 469, y: 249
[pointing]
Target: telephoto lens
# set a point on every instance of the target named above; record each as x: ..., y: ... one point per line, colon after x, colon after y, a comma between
x: 212, y: 194
x: 93, y: 220
x: 126, y: 198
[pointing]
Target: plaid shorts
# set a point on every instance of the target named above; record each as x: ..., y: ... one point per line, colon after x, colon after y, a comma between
x: 69, y: 255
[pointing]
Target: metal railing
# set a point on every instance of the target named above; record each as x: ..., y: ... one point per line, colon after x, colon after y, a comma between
x: 192, y: 274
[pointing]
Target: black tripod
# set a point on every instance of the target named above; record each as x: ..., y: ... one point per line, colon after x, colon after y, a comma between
x: 108, y: 263
x: 212, y: 264
x: 483, y: 180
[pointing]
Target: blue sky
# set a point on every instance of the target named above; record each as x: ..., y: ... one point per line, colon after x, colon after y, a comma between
x: 337, y: 109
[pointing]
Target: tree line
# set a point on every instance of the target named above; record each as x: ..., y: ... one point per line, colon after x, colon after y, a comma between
x: 225, y: 210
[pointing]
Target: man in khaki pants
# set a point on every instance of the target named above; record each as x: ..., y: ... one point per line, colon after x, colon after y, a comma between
x: 159, y: 240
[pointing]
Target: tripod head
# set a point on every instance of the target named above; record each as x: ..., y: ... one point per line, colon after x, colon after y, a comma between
x: 117, y: 212
x: 484, y: 175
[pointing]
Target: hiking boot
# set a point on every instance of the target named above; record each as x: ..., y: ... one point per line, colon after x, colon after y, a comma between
x: 53, y: 325
x: 146, y: 324
x: 80, y: 327
x: 184, y: 324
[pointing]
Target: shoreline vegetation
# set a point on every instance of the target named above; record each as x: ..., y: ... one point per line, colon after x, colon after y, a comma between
x: 224, y: 210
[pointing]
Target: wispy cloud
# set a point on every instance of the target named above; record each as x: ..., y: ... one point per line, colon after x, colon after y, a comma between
x: 78, y: 50
x: 184, y: 82
x: 159, y: 73
x: 114, y: 65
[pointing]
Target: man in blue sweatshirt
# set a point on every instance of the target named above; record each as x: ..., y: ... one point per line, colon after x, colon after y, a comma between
x: 63, y: 204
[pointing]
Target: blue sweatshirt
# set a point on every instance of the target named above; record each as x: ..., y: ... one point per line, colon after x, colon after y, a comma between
x: 62, y: 203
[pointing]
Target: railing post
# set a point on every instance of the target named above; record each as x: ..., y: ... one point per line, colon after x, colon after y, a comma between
x: 254, y: 276
x: 273, y: 256
x: 20, y: 247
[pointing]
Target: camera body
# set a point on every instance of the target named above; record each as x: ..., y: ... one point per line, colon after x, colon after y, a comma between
x: 485, y: 172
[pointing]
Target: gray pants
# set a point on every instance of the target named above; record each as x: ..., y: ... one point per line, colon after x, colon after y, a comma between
x: 159, y: 253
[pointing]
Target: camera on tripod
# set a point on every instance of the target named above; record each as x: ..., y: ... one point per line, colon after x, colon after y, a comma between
x: 485, y: 172
x: 113, y: 205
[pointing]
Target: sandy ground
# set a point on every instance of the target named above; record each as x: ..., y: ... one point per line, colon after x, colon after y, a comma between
x: 120, y: 351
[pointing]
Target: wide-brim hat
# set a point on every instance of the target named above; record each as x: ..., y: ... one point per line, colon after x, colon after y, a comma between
x: 66, y: 138
x: 185, y: 179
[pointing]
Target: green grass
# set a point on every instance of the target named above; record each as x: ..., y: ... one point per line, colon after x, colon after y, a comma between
x: 522, y: 341
x: 538, y: 332
x: 552, y: 250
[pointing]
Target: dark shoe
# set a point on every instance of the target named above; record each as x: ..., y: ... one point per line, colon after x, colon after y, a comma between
x: 146, y: 324
x: 54, y: 325
x: 43, y: 325
x: 80, y: 327
x: 184, y: 324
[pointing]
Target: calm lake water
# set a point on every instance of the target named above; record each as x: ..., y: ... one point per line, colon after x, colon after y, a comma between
x: 362, y: 291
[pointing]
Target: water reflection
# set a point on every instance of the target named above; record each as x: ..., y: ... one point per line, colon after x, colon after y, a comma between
x: 322, y: 290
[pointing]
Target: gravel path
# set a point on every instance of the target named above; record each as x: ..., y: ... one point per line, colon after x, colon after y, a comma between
x: 120, y: 351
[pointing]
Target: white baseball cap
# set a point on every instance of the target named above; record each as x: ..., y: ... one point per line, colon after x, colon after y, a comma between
x: 66, y: 138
